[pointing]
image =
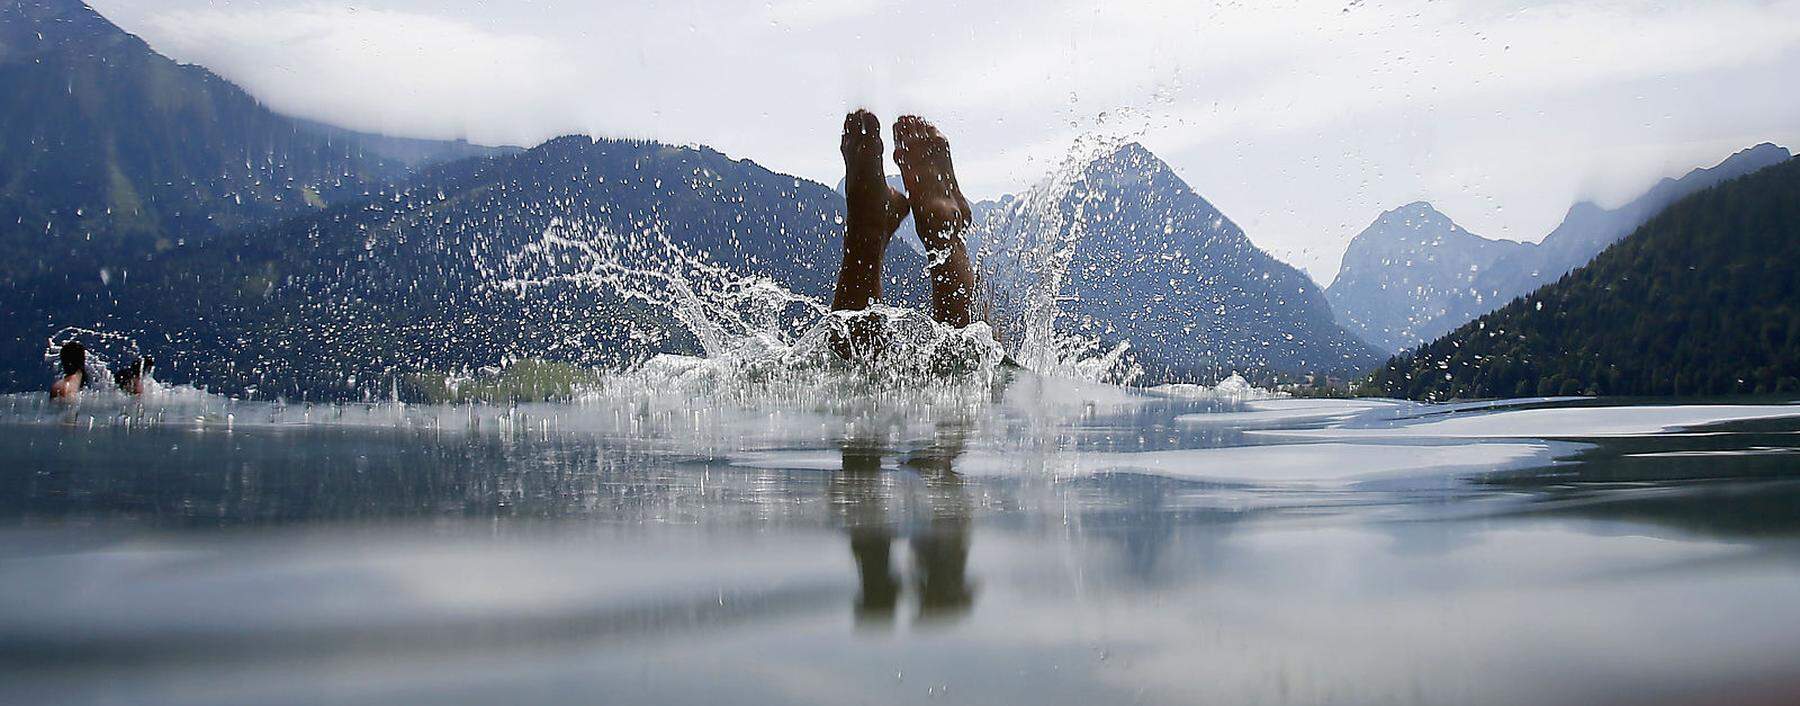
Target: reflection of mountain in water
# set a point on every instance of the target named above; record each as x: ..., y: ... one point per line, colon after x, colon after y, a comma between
x: 1730, y: 485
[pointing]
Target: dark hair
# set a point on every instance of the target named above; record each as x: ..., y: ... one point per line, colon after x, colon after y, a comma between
x: 74, y: 357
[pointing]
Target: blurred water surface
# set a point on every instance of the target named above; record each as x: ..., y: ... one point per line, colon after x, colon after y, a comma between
x: 1041, y: 541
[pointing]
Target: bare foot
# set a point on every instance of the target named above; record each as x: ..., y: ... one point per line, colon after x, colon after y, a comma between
x: 940, y: 213
x: 874, y: 211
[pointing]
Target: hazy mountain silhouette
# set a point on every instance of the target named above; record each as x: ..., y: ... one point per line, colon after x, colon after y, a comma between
x: 1589, y: 229
x: 1447, y: 297
x: 1704, y: 299
x: 1402, y: 273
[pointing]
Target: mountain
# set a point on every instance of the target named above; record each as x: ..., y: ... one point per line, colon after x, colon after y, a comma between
x: 1401, y: 274
x: 1703, y: 299
x: 409, y: 152
x: 1589, y: 229
x: 1449, y: 297
x: 252, y: 252
x: 113, y: 153
x: 1155, y: 264
x: 469, y: 264
x: 540, y: 254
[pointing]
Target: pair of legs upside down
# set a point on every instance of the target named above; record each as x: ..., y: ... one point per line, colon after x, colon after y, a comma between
x: 875, y: 210
x: 941, y: 214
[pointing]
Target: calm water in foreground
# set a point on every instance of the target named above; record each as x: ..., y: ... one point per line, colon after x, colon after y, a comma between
x: 1037, y: 542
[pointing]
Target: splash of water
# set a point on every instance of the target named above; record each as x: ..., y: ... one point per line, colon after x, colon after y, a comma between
x: 732, y: 315
x: 103, y: 347
x: 1023, y: 262
x: 758, y: 337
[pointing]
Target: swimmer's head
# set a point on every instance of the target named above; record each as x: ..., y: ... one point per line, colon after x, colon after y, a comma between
x: 74, y: 357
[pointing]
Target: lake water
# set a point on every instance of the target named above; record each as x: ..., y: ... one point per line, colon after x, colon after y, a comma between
x: 1033, y: 541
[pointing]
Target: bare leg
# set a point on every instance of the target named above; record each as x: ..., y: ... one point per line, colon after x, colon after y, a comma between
x: 941, y: 215
x: 874, y: 211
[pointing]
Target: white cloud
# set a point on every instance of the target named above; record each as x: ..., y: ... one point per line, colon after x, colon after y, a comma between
x: 1302, y: 119
x: 381, y: 70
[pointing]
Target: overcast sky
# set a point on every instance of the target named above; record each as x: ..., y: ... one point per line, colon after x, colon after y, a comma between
x: 1301, y: 120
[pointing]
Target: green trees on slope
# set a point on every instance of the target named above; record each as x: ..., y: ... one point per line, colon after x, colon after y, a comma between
x: 1704, y: 299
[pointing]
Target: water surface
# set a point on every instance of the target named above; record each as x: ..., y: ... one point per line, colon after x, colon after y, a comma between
x: 1037, y: 541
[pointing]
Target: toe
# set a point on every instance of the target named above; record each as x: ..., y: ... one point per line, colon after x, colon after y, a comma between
x: 867, y: 123
x: 861, y: 131
x: 862, y: 151
x: 907, y: 130
x: 935, y: 138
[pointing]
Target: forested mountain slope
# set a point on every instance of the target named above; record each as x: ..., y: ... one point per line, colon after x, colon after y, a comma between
x: 1704, y: 299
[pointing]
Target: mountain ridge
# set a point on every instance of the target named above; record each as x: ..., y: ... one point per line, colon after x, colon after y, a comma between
x: 1586, y: 229
x: 346, y: 300
x: 1158, y: 265
x: 1703, y: 299
x: 1401, y: 272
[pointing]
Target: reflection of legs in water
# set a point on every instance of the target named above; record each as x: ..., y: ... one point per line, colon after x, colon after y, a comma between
x: 858, y: 491
x: 873, y: 211
x: 941, y: 552
x: 941, y: 215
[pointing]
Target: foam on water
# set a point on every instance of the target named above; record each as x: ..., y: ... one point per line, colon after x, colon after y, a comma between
x: 1288, y: 411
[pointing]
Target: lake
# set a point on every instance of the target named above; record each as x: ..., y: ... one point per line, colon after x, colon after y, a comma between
x: 1035, y: 540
